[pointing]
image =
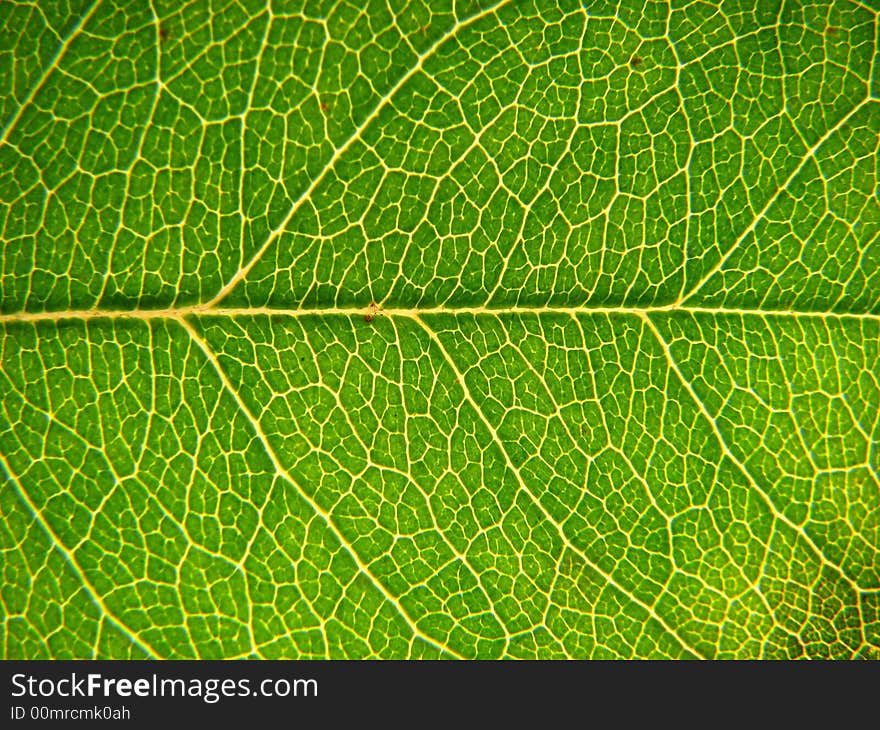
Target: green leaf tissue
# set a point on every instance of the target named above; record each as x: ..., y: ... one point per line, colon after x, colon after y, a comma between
x: 440, y: 329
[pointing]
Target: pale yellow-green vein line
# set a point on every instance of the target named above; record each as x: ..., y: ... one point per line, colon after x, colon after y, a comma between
x: 53, y: 63
x: 72, y: 562
x: 238, y: 312
x: 808, y: 155
x: 499, y: 442
x: 673, y: 364
x: 283, y: 472
x: 341, y: 150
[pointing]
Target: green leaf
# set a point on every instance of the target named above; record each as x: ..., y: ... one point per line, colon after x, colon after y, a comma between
x: 440, y: 329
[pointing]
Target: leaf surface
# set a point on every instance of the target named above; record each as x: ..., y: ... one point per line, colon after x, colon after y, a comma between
x: 430, y: 330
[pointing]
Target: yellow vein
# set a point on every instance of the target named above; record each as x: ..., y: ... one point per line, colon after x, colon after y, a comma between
x: 499, y: 442
x: 356, y: 135
x: 809, y: 155
x: 72, y: 562
x: 673, y: 364
x: 279, y: 468
x: 237, y: 312
x: 50, y: 67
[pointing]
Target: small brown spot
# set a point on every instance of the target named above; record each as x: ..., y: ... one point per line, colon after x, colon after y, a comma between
x: 164, y: 33
x: 372, y: 312
x: 324, y: 106
x: 636, y: 62
x: 831, y: 31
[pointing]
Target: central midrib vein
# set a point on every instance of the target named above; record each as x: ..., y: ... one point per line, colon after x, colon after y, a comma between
x: 233, y: 312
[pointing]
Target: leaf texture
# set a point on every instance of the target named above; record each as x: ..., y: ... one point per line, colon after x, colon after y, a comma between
x: 440, y: 329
